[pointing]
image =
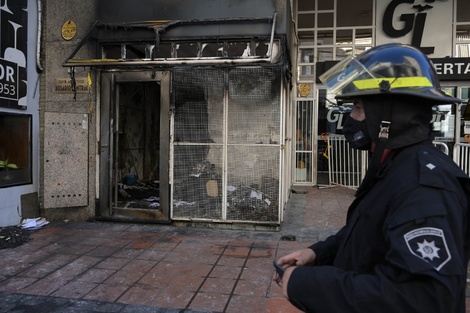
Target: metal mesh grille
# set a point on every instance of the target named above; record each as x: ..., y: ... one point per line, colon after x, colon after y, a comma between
x: 197, y: 191
x: 199, y: 106
x: 254, y: 119
x: 253, y: 183
x: 244, y: 145
x: 253, y: 107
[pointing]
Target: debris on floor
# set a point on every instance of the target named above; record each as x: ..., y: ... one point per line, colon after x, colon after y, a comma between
x: 13, y: 236
x: 33, y: 223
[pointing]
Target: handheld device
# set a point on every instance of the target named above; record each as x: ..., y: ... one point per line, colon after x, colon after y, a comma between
x: 279, y: 269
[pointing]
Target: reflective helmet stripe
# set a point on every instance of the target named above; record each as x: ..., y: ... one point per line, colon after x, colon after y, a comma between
x: 395, y: 82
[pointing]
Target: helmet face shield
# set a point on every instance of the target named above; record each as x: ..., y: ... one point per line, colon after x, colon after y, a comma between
x: 384, y: 70
x: 343, y: 74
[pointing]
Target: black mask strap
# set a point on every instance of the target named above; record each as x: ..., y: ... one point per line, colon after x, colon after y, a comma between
x: 375, y: 162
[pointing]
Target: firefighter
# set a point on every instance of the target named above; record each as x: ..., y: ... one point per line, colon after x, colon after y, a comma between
x: 405, y: 246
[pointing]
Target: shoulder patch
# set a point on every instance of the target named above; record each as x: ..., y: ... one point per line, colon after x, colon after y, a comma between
x: 438, y: 170
x: 429, y: 244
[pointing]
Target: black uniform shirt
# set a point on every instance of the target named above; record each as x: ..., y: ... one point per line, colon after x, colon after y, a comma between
x: 405, y: 246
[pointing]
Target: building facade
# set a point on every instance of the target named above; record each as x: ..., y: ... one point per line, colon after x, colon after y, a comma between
x: 175, y: 113
x: 171, y: 112
x: 329, y: 31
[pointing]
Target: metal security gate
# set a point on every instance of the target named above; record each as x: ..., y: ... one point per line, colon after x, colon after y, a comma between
x: 347, y: 166
x: 226, y: 151
x: 462, y: 156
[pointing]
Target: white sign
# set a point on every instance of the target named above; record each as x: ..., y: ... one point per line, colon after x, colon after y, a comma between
x: 423, y: 24
x: 8, y: 80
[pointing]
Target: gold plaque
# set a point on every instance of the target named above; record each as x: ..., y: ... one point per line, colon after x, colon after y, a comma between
x: 304, y: 90
x: 69, y: 30
x: 64, y: 85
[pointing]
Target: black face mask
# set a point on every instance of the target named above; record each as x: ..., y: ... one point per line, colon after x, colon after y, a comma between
x: 356, y: 134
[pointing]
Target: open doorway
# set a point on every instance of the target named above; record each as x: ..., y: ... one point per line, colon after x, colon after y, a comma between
x: 134, y: 148
x: 136, y: 178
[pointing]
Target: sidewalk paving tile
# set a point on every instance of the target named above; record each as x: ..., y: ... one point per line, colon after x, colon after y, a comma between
x: 124, y: 267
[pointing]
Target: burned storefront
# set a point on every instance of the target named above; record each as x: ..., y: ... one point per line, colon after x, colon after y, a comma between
x: 227, y: 148
x: 192, y: 111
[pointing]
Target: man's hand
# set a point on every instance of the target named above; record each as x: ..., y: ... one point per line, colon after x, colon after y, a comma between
x: 298, y: 258
x: 290, y: 262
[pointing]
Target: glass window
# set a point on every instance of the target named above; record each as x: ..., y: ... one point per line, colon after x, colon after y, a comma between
x: 306, y: 20
x: 325, y: 54
x: 337, y: 162
x: 306, y: 55
x: 15, y: 149
x: 306, y: 5
x: 359, y: 50
x: 306, y: 41
x: 354, y: 13
x: 463, y: 32
x: 325, y: 37
x: 325, y: 20
x: 463, y: 7
x: 443, y: 119
x: 462, y: 41
x: 342, y: 52
x: 343, y: 27
x: 303, y: 34
x: 462, y: 50
x: 306, y: 66
x: 306, y: 72
x: 443, y: 122
x: 363, y: 37
x: 325, y: 4
x: 344, y: 37
x: 331, y: 115
x: 464, y: 93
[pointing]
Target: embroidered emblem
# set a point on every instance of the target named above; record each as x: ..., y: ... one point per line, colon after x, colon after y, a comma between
x: 428, y: 250
x: 428, y: 244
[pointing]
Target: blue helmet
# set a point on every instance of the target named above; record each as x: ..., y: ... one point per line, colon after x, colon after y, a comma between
x: 387, y: 70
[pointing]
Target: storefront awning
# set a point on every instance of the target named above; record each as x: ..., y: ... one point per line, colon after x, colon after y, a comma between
x: 144, y: 44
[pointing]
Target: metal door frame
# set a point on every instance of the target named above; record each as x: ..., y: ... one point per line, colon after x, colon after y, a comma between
x: 108, y: 100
